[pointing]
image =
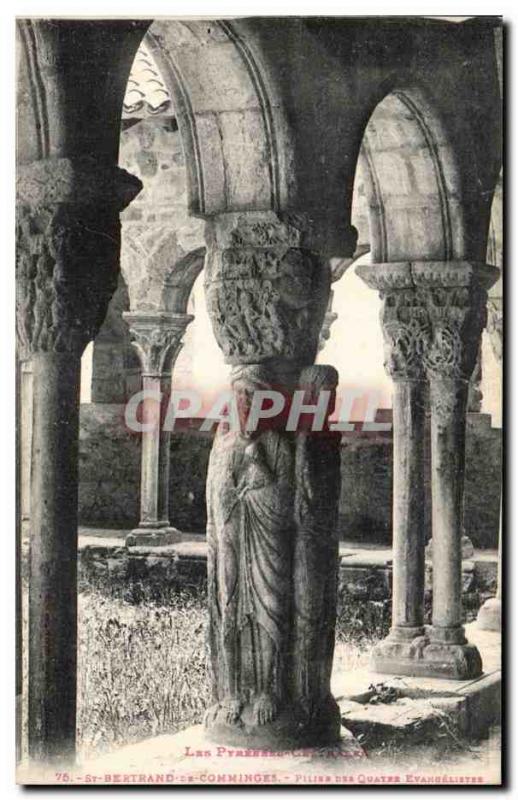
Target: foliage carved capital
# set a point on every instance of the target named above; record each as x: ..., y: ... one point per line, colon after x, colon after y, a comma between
x: 157, y: 338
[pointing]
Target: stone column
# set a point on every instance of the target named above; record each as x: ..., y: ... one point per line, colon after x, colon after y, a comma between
x: 490, y: 614
x: 157, y: 338
x: 272, y: 493
x: 406, y: 331
x: 456, y: 296
x: 68, y: 239
x: 433, y: 316
x: 26, y: 393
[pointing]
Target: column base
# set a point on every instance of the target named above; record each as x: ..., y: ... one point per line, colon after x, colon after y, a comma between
x: 426, y: 656
x: 288, y: 730
x: 489, y: 617
x: 153, y: 537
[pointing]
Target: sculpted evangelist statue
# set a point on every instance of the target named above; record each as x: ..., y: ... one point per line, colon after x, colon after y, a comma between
x: 272, y: 493
x: 249, y: 532
x: 272, y: 498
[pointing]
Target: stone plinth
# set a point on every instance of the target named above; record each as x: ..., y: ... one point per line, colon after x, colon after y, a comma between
x: 391, y: 706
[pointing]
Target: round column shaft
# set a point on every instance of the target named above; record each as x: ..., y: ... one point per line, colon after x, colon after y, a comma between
x: 408, y: 506
x: 448, y: 426
x: 66, y: 271
x: 149, y: 490
x: 157, y: 338
x: 53, y: 556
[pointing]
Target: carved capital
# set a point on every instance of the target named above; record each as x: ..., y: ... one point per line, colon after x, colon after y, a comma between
x: 433, y: 315
x: 404, y: 319
x: 456, y: 295
x: 157, y: 338
x: 67, y: 260
x: 406, y: 333
x: 67, y: 250
x: 458, y: 316
x: 267, y: 291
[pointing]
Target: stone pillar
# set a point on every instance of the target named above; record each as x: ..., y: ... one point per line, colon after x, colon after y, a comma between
x: 272, y: 493
x: 68, y: 239
x: 456, y: 295
x: 26, y: 405
x: 490, y: 614
x: 438, y: 323
x: 406, y: 331
x: 157, y: 338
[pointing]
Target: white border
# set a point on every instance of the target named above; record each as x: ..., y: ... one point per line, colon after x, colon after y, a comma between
x: 180, y: 8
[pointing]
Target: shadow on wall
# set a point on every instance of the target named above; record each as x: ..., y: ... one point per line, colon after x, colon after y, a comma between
x: 109, y: 478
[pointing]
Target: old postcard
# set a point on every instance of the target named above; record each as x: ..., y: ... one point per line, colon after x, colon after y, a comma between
x: 259, y: 400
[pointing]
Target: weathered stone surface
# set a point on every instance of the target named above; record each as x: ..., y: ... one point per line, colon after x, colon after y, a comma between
x: 272, y: 564
x: 68, y: 240
x: 157, y: 338
x: 404, y: 721
x: 151, y: 247
x: 115, y: 365
x: 67, y: 264
x: 82, y: 181
x: 266, y: 290
x: 432, y: 319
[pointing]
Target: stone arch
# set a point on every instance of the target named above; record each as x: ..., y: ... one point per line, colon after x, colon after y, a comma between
x: 412, y: 182
x: 225, y: 115
x: 179, y: 282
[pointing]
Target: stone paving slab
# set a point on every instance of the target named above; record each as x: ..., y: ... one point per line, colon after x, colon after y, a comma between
x: 404, y: 720
x: 471, y: 706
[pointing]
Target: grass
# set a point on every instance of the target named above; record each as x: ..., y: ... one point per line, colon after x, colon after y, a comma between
x: 143, y: 671
x: 143, y: 668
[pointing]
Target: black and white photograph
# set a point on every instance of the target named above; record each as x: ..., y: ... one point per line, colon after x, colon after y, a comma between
x: 260, y: 514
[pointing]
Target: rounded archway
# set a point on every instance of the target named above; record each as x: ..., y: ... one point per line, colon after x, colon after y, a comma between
x: 411, y: 182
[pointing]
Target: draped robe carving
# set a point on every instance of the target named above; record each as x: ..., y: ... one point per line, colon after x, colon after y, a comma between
x: 272, y: 495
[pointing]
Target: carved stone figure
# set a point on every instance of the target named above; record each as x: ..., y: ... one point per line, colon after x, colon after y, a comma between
x: 250, y: 539
x: 272, y: 495
x: 272, y: 571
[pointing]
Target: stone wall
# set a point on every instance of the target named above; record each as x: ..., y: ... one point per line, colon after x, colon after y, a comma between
x: 109, y: 478
x: 364, y: 586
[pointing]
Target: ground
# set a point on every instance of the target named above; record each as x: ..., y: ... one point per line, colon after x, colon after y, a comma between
x: 143, y: 685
